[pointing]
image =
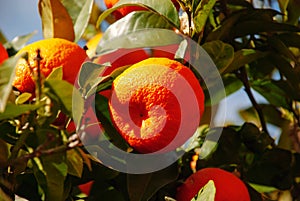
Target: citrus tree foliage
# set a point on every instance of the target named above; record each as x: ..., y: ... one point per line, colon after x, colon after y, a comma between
x: 254, y: 49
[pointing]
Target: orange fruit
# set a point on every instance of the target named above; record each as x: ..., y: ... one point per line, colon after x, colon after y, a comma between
x: 121, y: 57
x: 228, y: 186
x: 121, y: 12
x: 55, y: 52
x: 156, y: 102
x: 92, y: 45
x: 3, y: 53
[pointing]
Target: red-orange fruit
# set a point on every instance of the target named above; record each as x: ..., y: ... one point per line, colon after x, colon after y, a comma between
x: 156, y: 102
x: 228, y: 186
x: 3, y: 53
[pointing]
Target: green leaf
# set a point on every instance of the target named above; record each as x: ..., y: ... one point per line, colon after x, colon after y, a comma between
x: 243, y: 57
x: 260, y: 26
x: 290, y: 39
x: 64, y: 91
x: 255, y: 140
x: 275, y: 42
x: 274, y: 95
x: 4, y: 153
x: 56, y: 21
x: 56, y: 74
x: 88, y: 76
x: 22, y: 98
x: 207, y: 192
x: 164, y: 8
x: 20, y: 41
x: 11, y: 111
x: 141, y: 187
x: 262, y: 188
x: 201, y: 14
x: 80, y: 12
x: 56, y: 170
x: 7, y: 75
x: 145, y: 26
x: 221, y: 53
x: 293, y: 11
x: 75, y: 163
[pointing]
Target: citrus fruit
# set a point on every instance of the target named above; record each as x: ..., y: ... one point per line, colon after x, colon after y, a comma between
x: 92, y: 45
x: 228, y: 186
x: 121, y: 12
x: 121, y: 57
x: 55, y: 52
x: 86, y: 187
x: 156, y: 104
x: 3, y: 53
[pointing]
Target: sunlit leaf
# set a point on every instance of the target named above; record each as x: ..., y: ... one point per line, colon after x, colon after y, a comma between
x: 75, y: 163
x: 22, y: 98
x: 137, y: 29
x: 20, y: 41
x: 56, y: 21
x: 7, y: 75
x: 64, y: 91
x: 201, y: 14
x: 293, y: 11
x: 12, y: 110
x: 207, y: 192
x: 165, y: 8
x: 221, y: 53
x: 56, y: 74
x: 79, y: 11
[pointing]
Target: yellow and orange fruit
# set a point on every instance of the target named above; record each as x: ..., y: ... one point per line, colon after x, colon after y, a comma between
x: 156, y: 102
x: 55, y: 52
x: 3, y: 53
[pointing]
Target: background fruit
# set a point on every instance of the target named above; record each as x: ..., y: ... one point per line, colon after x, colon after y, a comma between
x: 86, y: 188
x: 162, y: 96
x: 55, y: 52
x: 3, y: 53
x: 92, y: 45
x: 121, y: 12
x: 228, y: 186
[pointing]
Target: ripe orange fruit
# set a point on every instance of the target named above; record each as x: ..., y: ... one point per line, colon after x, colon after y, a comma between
x: 228, y: 186
x: 55, y: 52
x: 155, y: 102
x: 121, y: 57
x: 92, y: 45
x: 86, y: 187
x: 121, y: 12
x: 3, y: 53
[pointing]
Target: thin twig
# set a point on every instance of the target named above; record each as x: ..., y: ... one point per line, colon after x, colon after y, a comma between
x: 242, y: 75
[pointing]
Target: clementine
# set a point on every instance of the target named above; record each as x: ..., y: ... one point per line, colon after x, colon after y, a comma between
x: 228, y: 186
x: 156, y: 104
x: 3, y: 53
x: 55, y: 52
x: 121, y: 12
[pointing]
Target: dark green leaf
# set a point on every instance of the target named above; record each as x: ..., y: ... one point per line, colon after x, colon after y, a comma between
x: 274, y: 95
x: 7, y: 76
x: 259, y: 26
x: 280, y: 47
x: 164, y: 8
x: 221, y: 53
x: 290, y: 39
x: 273, y: 168
x: 142, y: 187
x: 201, y: 14
x: 4, y: 153
x: 293, y: 11
x: 255, y: 140
x: 243, y: 57
x: 137, y: 29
